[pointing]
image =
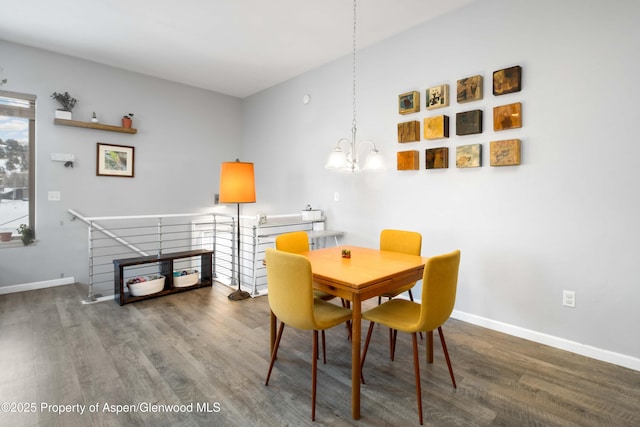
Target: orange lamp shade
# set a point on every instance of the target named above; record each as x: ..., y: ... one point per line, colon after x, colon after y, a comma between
x: 237, y: 184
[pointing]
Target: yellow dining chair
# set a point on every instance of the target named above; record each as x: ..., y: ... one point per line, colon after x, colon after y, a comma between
x: 297, y: 242
x: 290, y: 286
x: 406, y: 242
x: 439, y: 283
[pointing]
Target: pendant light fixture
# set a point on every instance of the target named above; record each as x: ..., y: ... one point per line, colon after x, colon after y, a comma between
x: 349, y: 160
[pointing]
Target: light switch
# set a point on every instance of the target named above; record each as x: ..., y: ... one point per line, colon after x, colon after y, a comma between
x: 59, y: 157
x: 54, y: 196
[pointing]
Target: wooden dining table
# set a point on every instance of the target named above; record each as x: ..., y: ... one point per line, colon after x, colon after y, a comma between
x: 366, y: 274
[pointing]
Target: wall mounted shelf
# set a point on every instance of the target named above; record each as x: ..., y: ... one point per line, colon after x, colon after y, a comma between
x: 98, y: 126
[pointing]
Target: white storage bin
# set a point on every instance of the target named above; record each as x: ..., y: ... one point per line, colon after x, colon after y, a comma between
x: 151, y: 285
x: 182, y: 281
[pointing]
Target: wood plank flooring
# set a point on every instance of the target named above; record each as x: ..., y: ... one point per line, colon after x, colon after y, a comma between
x: 210, y: 355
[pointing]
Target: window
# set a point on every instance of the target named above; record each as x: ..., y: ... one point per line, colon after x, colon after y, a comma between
x: 17, y: 160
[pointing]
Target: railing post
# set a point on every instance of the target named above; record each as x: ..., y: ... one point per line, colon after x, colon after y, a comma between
x: 255, y: 253
x: 90, y: 297
x: 159, y: 236
x: 213, y: 245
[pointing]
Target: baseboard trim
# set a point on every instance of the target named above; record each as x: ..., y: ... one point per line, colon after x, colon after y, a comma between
x: 550, y: 340
x: 37, y: 285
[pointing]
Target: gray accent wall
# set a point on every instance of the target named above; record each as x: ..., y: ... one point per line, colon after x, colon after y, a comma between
x: 184, y: 133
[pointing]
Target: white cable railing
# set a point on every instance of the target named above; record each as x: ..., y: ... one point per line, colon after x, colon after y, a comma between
x: 116, y: 237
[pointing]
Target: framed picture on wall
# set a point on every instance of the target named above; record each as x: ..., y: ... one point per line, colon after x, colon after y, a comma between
x: 114, y: 160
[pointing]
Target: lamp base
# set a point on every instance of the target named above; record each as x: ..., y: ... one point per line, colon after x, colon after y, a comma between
x: 238, y: 295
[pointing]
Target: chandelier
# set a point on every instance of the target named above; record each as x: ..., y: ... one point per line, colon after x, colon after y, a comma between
x: 349, y: 160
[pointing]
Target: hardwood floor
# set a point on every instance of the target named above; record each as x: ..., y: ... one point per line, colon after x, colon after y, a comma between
x: 199, y: 350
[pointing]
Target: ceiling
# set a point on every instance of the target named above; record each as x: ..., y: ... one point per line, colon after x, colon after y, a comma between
x: 235, y: 47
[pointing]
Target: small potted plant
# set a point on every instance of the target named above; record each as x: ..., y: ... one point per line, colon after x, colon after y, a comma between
x: 126, y: 121
x: 346, y: 253
x: 27, y: 234
x: 67, y: 102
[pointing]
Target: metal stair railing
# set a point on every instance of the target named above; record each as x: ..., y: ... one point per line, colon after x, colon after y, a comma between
x: 115, y: 237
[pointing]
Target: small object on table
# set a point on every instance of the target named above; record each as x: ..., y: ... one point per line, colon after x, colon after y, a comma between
x: 346, y: 253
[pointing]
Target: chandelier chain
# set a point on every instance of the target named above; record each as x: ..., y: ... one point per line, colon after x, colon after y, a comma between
x: 353, y: 122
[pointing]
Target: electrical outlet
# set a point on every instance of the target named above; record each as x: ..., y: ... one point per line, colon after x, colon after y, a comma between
x: 568, y: 298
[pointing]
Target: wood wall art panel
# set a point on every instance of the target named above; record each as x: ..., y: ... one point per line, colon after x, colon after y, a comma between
x: 436, y: 127
x: 505, y: 152
x: 409, y: 102
x: 507, y: 116
x: 507, y: 80
x: 469, y: 122
x: 437, y: 158
x: 409, y: 131
x: 469, y: 89
x: 469, y: 156
x: 408, y: 160
x: 437, y: 97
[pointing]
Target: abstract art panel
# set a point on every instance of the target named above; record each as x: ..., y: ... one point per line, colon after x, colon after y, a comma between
x: 437, y: 158
x: 469, y: 122
x: 507, y: 116
x: 409, y: 131
x: 408, y: 160
x: 436, y: 127
x: 469, y: 89
x: 507, y: 80
x: 409, y: 102
x: 469, y: 156
x: 437, y: 97
x: 505, y: 152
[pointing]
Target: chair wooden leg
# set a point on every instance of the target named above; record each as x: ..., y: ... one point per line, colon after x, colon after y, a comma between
x: 391, y: 352
x: 446, y: 356
x: 416, y: 366
x: 314, y: 374
x: 275, y: 351
x: 411, y: 298
x: 345, y: 304
x: 393, y: 338
x: 324, y: 350
x: 364, y: 351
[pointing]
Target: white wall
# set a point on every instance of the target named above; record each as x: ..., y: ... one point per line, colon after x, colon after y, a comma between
x: 567, y: 218
x: 183, y: 135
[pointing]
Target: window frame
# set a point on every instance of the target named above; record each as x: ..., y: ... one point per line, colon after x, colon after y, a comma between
x: 30, y: 114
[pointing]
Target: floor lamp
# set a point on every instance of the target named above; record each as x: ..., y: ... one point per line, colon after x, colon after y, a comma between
x: 237, y: 185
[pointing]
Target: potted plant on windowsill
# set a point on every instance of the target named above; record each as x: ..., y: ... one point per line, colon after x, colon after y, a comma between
x: 67, y: 102
x: 127, y: 120
x: 27, y: 234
